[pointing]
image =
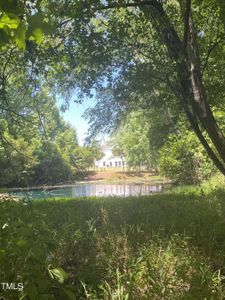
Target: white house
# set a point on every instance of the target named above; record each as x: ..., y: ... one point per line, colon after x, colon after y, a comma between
x: 109, y: 160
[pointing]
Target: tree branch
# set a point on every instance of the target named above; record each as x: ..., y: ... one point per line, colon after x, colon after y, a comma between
x: 208, y: 55
x: 125, y: 5
x: 7, y: 62
x: 203, y: 141
x: 194, y: 125
x: 186, y: 25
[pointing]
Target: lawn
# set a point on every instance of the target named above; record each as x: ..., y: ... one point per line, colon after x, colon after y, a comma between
x: 165, y: 246
x: 117, y: 174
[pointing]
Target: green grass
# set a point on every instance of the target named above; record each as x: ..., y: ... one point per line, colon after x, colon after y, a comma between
x: 151, y: 179
x: 165, y: 246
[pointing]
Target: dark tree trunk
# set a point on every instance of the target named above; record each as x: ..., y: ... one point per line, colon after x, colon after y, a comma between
x: 201, y: 106
x: 185, y: 55
x: 195, y: 127
x: 193, y: 98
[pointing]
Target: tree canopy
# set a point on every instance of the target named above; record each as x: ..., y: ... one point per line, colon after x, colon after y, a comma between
x: 134, y: 54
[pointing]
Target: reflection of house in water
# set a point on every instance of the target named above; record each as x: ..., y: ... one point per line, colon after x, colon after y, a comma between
x: 114, y: 190
x: 110, y: 160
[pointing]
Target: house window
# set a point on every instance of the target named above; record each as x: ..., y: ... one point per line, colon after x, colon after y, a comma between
x: 119, y: 163
x: 110, y: 164
x: 103, y: 163
x: 115, y: 163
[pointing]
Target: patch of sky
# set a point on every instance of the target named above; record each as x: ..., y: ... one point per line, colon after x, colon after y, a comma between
x: 73, y: 114
x: 201, y: 33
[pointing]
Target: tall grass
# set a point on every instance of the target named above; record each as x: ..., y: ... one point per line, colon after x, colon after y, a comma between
x: 165, y: 246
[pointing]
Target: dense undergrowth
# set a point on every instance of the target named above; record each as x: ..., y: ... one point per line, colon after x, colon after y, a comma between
x: 166, y: 246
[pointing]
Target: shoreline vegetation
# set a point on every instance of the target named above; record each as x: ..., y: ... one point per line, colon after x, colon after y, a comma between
x: 164, y: 246
x: 107, y: 177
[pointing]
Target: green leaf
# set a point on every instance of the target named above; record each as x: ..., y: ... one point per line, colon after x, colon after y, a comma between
x: 34, y: 30
x: 59, y: 274
x: 35, y: 20
x: 47, y: 28
x: 20, y: 37
x: 37, y: 26
x: 6, y: 21
x: 36, y: 35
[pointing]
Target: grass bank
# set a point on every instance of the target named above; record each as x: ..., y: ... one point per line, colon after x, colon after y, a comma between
x: 165, y: 246
x: 118, y: 175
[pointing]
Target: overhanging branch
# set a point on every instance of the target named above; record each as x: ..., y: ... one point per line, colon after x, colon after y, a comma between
x: 210, y: 50
x: 125, y: 5
x: 186, y: 24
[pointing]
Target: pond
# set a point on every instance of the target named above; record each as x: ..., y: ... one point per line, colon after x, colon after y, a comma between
x: 92, y: 189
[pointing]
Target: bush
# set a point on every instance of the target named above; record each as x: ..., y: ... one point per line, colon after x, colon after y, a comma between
x: 183, y: 159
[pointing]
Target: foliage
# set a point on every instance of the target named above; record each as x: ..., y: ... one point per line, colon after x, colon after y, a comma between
x: 183, y: 159
x: 134, y: 64
x: 141, y: 134
x: 22, y: 22
x: 33, y: 244
x: 84, y: 157
x: 17, y: 157
x: 167, y: 246
x: 131, y: 141
x: 45, y: 153
x: 52, y: 168
x: 119, y: 53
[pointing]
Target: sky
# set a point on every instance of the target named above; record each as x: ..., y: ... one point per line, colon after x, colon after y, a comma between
x: 74, y: 116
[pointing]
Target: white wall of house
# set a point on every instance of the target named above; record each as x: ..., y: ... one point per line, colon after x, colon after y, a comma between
x: 109, y: 160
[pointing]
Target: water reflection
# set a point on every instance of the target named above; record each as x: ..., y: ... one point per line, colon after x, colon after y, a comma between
x: 87, y: 190
x: 114, y: 190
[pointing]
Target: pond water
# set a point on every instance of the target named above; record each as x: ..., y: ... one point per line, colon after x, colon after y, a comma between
x: 92, y: 189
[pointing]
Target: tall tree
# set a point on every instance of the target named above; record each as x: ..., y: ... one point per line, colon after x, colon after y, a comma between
x: 137, y: 49
x: 183, y: 53
x: 132, y: 140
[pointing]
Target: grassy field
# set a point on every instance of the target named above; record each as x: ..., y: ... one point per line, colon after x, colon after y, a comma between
x: 116, y: 175
x: 165, y: 246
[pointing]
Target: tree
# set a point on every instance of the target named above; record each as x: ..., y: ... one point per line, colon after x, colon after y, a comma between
x: 52, y: 168
x: 17, y: 157
x: 38, y: 148
x: 132, y: 142
x: 84, y: 157
x: 189, y: 84
x: 151, y: 40
x: 136, y: 50
x: 22, y: 22
x: 182, y: 159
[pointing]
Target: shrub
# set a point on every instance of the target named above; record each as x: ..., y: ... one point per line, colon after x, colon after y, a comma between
x: 183, y: 159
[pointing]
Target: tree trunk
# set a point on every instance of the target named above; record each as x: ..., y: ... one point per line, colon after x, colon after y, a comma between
x: 185, y: 55
x: 189, y: 78
x: 195, y: 127
x: 201, y: 107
